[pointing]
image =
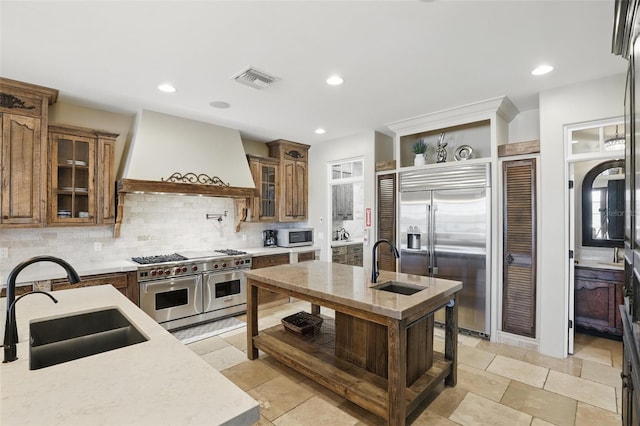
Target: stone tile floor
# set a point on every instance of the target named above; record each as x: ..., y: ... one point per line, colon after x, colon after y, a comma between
x: 497, y: 384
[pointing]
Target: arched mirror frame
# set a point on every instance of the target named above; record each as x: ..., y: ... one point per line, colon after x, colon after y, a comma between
x: 587, y: 185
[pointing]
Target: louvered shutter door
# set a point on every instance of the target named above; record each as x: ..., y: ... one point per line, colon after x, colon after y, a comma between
x: 387, y: 218
x: 519, y: 270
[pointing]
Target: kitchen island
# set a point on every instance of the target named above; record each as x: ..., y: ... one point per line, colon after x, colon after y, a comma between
x: 156, y: 382
x: 378, y: 352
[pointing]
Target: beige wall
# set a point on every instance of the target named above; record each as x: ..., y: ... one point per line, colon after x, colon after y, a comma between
x: 67, y: 113
x: 255, y: 147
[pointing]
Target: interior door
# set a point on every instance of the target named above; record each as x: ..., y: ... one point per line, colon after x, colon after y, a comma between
x: 519, y: 263
x: 572, y: 247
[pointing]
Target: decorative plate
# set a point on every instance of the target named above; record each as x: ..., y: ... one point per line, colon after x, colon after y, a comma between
x: 464, y: 152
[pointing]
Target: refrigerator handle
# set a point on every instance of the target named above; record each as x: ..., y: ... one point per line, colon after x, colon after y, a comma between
x: 430, y: 245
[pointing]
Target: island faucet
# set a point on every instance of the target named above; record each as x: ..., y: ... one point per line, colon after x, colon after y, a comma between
x: 374, y: 265
x: 10, y: 327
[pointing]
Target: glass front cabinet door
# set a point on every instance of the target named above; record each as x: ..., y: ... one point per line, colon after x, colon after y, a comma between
x: 77, y: 175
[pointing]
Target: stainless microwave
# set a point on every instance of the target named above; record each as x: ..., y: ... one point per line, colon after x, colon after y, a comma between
x: 295, y: 237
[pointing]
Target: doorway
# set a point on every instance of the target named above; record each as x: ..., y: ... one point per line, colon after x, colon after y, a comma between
x: 594, y: 167
x: 346, y: 200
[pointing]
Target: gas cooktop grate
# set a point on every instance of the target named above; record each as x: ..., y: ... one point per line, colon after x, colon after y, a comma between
x: 147, y: 260
x: 231, y: 252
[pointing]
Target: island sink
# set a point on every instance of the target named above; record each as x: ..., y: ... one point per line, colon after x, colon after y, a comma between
x: 77, y: 336
x: 399, y: 288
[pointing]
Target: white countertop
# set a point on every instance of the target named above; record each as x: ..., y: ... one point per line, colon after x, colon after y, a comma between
x: 157, y: 382
x: 600, y: 264
x: 265, y: 251
x: 338, y: 243
x: 49, y: 270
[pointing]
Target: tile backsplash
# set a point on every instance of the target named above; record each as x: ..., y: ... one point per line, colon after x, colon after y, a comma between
x: 152, y: 224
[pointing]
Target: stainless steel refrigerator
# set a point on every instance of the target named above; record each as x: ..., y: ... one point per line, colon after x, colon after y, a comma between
x: 444, y: 230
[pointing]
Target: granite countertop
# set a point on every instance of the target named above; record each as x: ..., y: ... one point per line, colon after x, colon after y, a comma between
x: 351, y: 286
x: 157, y: 382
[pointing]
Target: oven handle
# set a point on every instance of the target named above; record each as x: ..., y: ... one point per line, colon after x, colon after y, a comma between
x: 165, y: 283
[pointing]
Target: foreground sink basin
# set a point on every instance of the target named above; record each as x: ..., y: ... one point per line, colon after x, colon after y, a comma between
x: 399, y: 288
x: 64, y: 339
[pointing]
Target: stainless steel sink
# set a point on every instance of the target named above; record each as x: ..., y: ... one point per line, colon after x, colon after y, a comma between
x: 399, y: 288
x: 68, y: 338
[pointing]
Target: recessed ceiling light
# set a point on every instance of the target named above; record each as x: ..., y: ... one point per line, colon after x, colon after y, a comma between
x: 542, y: 69
x: 166, y: 88
x: 319, y: 131
x: 335, y: 80
x: 220, y: 104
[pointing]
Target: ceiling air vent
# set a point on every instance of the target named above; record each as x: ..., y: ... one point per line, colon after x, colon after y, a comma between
x: 254, y: 78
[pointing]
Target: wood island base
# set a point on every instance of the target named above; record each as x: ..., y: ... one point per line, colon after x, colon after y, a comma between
x: 388, y: 368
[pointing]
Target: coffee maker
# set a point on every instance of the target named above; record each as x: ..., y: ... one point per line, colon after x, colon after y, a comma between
x: 269, y: 237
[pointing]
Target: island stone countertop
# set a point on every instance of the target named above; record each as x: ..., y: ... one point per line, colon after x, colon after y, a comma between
x: 352, y: 286
x: 156, y: 382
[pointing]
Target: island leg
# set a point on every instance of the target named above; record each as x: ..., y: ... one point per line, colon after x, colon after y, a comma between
x: 315, y: 309
x: 397, y: 367
x: 252, y: 318
x: 451, y: 340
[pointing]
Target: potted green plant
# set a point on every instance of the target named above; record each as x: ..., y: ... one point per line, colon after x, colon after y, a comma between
x: 419, y: 149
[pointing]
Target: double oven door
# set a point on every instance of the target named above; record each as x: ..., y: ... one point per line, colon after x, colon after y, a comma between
x: 224, y: 290
x: 172, y: 298
x: 180, y: 301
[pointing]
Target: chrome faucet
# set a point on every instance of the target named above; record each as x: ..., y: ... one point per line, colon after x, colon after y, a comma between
x: 10, y: 327
x: 616, y: 255
x: 374, y: 265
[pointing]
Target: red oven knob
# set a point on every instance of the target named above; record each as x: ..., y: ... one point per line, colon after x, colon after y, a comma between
x: 184, y: 269
x: 177, y: 271
x: 153, y: 273
x: 224, y: 265
x: 160, y: 272
x: 194, y: 268
x: 167, y: 272
x: 215, y: 266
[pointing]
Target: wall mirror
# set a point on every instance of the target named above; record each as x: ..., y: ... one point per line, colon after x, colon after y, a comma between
x: 603, y: 205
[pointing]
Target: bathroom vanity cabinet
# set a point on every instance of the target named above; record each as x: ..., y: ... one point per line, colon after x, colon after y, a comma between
x: 598, y: 294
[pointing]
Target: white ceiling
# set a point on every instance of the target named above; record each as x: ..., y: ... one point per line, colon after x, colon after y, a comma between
x: 399, y: 59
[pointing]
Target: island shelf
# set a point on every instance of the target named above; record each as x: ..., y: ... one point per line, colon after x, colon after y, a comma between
x: 378, y: 351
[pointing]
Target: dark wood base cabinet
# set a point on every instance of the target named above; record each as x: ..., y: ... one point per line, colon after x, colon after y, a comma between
x: 125, y: 282
x: 630, y: 370
x: 598, y: 294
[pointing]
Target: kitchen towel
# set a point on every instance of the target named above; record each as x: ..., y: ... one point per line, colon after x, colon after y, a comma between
x: 206, y: 330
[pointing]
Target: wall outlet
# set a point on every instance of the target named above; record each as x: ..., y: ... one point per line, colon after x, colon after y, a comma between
x: 97, y: 246
x: 4, y: 252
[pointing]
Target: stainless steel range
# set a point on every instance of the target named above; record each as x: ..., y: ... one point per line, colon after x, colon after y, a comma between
x: 182, y: 289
